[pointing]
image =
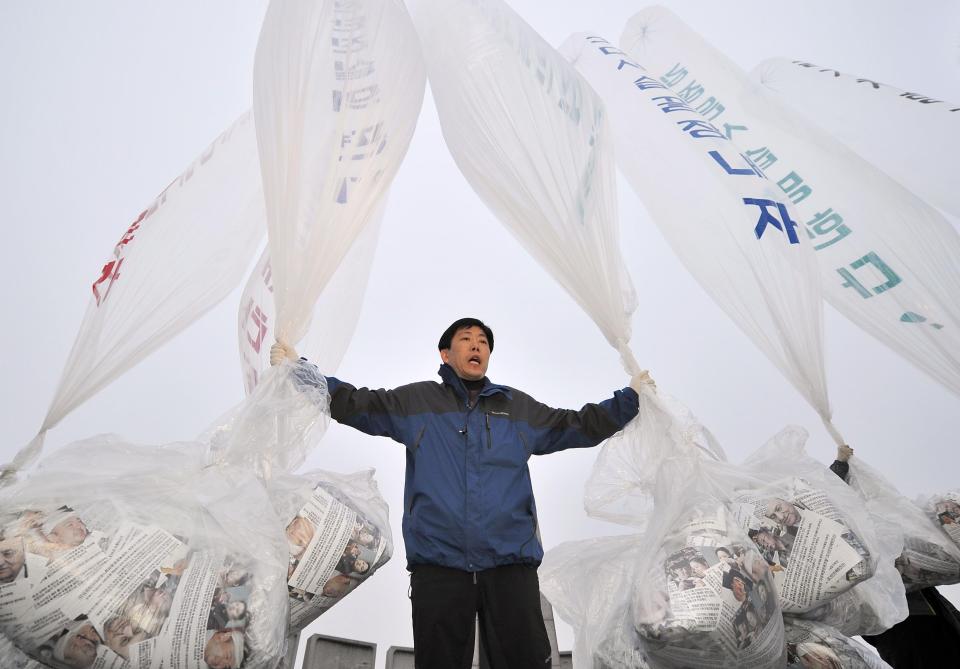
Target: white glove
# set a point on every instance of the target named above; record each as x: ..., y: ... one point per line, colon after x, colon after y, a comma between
x: 280, y: 352
x: 643, y: 380
x: 843, y: 453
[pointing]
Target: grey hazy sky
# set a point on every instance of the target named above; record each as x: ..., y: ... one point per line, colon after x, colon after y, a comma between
x: 104, y: 103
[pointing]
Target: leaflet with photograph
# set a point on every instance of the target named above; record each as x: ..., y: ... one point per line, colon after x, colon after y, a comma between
x: 333, y: 549
x: 923, y: 564
x: 813, y: 555
x: 75, y: 598
x: 189, y: 610
x: 135, y: 564
x: 811, y: 644
x: 717, y: 605
x: 946, y: 509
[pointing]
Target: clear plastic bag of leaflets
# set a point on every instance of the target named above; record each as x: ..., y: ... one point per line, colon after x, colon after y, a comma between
x: 703, y: 596
x: 944, y: 509
x: 929, y: 557
x: 338, y: 534
x: 625, y: 474
x: 813, y: 530
x: 157, y: 556
x: 902, y: 532
x: 812, y: 645
x: 588, y: 584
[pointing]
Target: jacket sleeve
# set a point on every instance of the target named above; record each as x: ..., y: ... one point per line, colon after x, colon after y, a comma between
x: 375, y: 412
x: 841, y: 469
x: 559, y: 429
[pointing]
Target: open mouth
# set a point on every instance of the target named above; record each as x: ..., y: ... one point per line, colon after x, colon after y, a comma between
x: 474, y: 360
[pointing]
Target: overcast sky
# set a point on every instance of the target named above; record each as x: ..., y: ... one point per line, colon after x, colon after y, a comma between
x: 104, y: 103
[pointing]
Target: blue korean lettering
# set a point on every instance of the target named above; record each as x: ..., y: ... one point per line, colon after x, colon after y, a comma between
x: 825, y: 222
x: 699, y: 129
x: 691, y: 91
x: 750, y: 170
x: 711, y: 108
x: 762, y: 157
x: 793, y: 185
x: 674, y: 76
x: 912, y: 317
x: 784, y: 224
x: 671, y: 103
x: 728, y: 129
x: 890, y: 277
x: 916, y: 97
x: 646, y: 83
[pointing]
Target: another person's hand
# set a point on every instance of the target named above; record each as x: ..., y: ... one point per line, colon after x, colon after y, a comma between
x: 843, y: 453
x: 280, y: 352
x: 643, y: 380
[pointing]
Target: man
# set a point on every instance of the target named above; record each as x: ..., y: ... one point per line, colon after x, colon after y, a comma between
x: 930, y: 634
x: 224, y: 649
x: 12, y: 558
x: 772, y: 547
x: 469, y: 521
x: 783, y: 512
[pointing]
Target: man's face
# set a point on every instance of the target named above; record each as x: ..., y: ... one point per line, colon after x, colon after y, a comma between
x: 219, y: 652
x: 783, y: 512
x: 11, y: 559
x: 70, y: 532
x: 360, y: 566
x: 81, y: 650
x: 121, y: 635
x: 698, y: 568
x: 768, y: 541
x: 469, y: 353
x: 300, y: 531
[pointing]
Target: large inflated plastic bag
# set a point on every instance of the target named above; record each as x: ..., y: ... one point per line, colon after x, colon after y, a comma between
x: 532, y: 139
x: 887, y: 259
x: 623, y: 480
x: 337, y: 89
x: 729, y: 225
x: 944, y: 510
x: 928, y: 558
x: 812, y: 528
x: 704, y: 596
x: 857, y: 110
x: 334, y: 316
x: 164, y: 552
x: 178, y: 258
x: 338, y: 535
x: 588, y: 583
x: 877, y: 604
x: 814, y: 645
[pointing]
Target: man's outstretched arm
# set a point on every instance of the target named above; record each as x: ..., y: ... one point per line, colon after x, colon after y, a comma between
x: 375, y: 412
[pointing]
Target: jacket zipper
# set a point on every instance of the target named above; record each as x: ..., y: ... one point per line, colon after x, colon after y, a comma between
x: 416, y: 444
x: 489, y: 437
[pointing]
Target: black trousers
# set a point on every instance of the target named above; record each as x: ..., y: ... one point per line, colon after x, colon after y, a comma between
x: 447, y: 601
x: 928, y: 637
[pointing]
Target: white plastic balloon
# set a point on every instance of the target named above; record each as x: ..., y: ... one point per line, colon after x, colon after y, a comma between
x: 723, y: 218
x: 338, y: 87
x: 181, y: 256
x: 334, y: 315
x: 912, y: 137
x: 888, y: 260
x: 532, y: 139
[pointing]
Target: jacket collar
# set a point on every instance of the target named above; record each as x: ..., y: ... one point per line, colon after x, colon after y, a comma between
x: 451, y: 379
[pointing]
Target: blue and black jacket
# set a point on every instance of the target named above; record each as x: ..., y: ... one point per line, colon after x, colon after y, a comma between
x: 468, y: 502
